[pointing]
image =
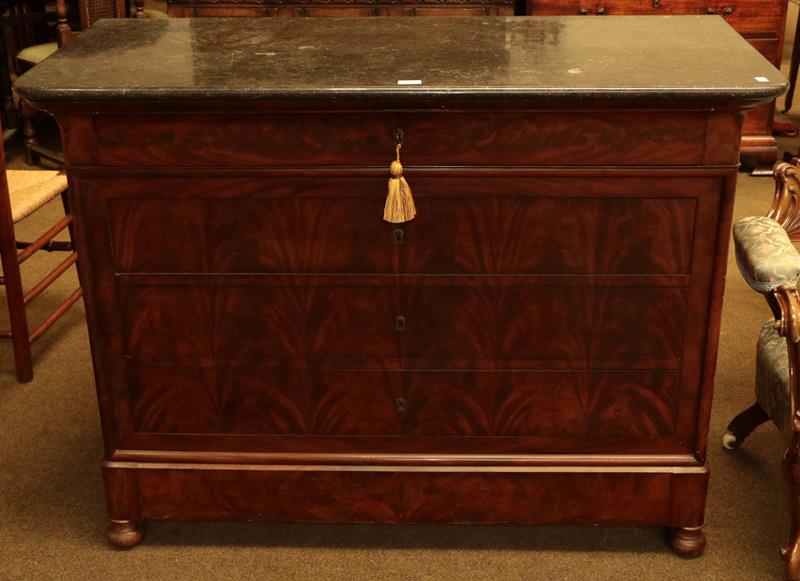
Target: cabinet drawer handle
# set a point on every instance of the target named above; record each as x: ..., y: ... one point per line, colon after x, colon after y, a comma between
x: 399, y: 236
x: 656, y: 4
x: 583, y: 11
x: 601, y: 11
x: 400, y: 324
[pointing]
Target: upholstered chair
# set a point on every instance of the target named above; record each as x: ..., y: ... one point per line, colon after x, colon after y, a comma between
x: 770, y: 264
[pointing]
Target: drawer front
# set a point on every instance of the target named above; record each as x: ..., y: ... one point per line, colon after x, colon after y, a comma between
x: 333, y: 10
x: 231, y: 10
x: 430, y: 139
x: 457, y: 11
x: 575, y: 406
x: 748, y: 16
x: 463, y: 226
x: 492, y: 323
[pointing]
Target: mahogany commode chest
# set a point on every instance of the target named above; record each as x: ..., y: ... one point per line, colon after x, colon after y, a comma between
x: 536, y: 346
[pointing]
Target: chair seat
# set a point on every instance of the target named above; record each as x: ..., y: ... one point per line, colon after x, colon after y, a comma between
x: 155, y: 14
x: 32, y: 189
x: 35, y: 54
x: 772, y: 376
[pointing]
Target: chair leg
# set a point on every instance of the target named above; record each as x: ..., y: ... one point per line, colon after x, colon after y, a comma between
x: 16, y: 313
x: 68, y: 211
x: 743, y: 425
x: 791, y: 553
x: 31, y: 158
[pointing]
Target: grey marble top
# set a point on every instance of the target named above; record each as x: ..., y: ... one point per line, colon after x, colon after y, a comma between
x: 697, y: 57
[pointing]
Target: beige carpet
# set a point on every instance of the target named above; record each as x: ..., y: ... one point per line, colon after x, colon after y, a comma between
x: 52, y: 514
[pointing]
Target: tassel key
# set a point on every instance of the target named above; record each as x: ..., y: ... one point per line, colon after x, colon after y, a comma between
x: 399, y: 206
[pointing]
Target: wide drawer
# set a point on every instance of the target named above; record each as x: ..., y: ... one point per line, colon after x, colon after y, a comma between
x: 573, y: 405
x: 422, y: 323
x: 463, y: 226
x: 367, y: 139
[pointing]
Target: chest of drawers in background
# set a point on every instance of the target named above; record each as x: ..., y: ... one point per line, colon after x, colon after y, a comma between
x: 536, y: 346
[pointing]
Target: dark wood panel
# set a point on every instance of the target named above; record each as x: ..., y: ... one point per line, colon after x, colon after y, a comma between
x: 227, y: 10
x: 495, y: 324
x: 615, y: 407
x: 367, y: 139
x: 346, y: 234
x: 333, y: 10
x: 632, y: 498
x: 422, y: 10
x: 405, y: 450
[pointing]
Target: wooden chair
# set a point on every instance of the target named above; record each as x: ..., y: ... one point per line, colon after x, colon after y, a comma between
x: 32, y: 31
x: 89, y: 12
x: 27, y: 27
x: 770, y: 264
x: 22, y: 192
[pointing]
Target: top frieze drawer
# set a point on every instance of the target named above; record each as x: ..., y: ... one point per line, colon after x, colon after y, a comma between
x: 367, y: 139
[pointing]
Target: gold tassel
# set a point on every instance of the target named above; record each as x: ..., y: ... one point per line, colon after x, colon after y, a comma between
x: 399, y: 206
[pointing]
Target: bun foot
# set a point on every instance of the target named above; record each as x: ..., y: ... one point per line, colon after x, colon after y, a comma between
x: 688, y: 542
x: 125, y: 533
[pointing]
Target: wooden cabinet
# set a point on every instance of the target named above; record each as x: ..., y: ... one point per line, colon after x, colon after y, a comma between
x: 536, y: 346
x: 761, y: 22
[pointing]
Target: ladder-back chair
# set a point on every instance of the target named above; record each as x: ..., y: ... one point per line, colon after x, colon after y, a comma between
x: 22, y: 192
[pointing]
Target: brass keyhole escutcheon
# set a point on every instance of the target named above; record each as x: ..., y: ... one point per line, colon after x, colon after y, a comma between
x: 399, y: 236
x: 400, y: 324
x: 401, y: 404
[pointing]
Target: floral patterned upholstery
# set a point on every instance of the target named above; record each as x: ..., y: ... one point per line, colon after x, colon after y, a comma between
x: 772, y: 376
x: 765, y: 253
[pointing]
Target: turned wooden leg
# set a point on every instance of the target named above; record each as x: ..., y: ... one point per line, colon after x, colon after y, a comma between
x: 743, y: 425
x: 688, y: 542
x: 125, y: 533
x: 31, y: 158
x: 15, y: 298
x: 791, y: 553
x: 122, y: 497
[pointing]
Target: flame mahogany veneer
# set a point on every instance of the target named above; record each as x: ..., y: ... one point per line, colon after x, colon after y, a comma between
x: 537, y: 346
x: 560, y: 326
